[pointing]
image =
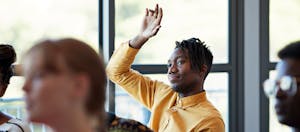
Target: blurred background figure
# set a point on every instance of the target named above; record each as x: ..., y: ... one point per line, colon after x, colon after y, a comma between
x: 118, y: 124
x: 65, y: 86
x: 285, y: 88
x: 7, y: 122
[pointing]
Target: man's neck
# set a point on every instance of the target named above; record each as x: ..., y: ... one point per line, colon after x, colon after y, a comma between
x: 182, y: 95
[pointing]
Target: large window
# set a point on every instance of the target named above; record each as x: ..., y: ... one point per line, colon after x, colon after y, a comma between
x: 284, y: 23
x: 25, y: 22
x: 204, y: 19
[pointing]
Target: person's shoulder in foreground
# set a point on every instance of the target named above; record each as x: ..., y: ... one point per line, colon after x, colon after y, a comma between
x: 14, y: 125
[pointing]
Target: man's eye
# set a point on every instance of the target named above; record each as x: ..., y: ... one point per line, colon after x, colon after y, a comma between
x: 180, y: 62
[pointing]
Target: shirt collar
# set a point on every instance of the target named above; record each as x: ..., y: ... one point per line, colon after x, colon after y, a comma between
x: 191, y: 100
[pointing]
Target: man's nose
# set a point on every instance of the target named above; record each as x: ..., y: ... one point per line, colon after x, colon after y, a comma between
x: 279, y: 93
x: 173, y: 69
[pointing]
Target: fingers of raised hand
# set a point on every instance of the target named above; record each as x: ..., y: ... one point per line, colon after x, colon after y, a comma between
x: 154, y: 13
x: 160, y: 14
x: 151, y: 12
x: 147, y: 12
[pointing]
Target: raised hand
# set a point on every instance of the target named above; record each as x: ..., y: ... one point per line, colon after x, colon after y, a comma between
x: 149, y: 28
x: 151, y: 22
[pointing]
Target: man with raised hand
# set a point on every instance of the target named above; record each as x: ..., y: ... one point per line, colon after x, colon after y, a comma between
x: 181, y: 107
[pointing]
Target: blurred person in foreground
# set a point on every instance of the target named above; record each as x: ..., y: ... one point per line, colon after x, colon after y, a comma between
x: 181, y: 107
x: 284, y: 89
x: 65, y: 86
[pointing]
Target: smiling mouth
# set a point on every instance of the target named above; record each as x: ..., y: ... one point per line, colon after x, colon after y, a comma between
x: 173, y: 78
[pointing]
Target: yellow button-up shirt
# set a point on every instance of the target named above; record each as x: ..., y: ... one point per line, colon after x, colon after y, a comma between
x: 169, y: 113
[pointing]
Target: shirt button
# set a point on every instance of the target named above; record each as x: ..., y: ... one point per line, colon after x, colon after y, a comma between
x: 180, y: 102
x: 173, y: 109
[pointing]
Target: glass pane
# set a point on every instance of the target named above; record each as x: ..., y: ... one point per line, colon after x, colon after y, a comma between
x: 275, y: 126
x: 216, y: 86
x: 14, y: 89
x: 25, y: 22
x: 284, y: 23
x: 183, y: 19
x: 124, y: 103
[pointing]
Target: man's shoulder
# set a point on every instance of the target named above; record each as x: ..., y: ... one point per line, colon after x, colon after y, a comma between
x: 208, y: 110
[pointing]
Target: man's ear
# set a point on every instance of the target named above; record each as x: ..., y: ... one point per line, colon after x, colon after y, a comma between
x: 203, y: 70
x: 82, y: 85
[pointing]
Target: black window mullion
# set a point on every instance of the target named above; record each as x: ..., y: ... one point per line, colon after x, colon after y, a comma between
x: 236, y: 60
x: 100, y: 25
x: 265, y: 65
x: 272, y: 65
x: 162, y: 69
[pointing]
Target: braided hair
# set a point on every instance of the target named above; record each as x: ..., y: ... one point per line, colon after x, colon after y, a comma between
x: 7, y: 57
x: 198, y: 53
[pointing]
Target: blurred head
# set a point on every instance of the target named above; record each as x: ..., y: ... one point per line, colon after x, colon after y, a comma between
x: 62, y: 76
x: 189, y: 65
x: 286, y: 86
x: 7, y: 57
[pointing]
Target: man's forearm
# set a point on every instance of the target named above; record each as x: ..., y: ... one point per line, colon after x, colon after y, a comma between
x: 138, y: 41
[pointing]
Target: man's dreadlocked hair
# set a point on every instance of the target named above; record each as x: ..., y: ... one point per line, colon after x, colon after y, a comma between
x: 198, y: 53
x: 290, y: 51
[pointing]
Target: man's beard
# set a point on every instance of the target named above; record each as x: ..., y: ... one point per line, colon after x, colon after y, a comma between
x: 182, y: 88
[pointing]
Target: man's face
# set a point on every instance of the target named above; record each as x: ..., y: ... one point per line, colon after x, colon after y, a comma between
x: 182, y: 78
x: 287, y: 106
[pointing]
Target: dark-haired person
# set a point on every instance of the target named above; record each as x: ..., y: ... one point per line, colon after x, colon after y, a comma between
x: 181, y: 107
x: 284, y: 89
x: 118, y: 124
x: 65, y: 86
x: 7, y: 122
